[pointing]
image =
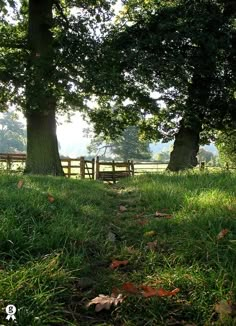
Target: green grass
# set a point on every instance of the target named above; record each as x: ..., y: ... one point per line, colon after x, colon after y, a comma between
x: 55, y: 257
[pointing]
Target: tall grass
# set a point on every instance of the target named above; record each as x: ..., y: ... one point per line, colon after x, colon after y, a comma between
x: 55, y: 256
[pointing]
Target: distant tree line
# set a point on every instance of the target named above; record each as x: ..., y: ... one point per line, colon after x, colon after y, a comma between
x: 12, y: 134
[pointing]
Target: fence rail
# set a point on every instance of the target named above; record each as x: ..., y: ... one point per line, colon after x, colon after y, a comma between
x: 93, y: 169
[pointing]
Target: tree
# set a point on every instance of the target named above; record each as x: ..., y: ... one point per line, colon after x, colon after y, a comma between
x: 44, y: 53
x: 12, y: 134
x: 163, y: 156
x: 185, y: 51
x: 204, y: 155
x: 226, y: 145
x: 126, y: 147
x: 129, y: 146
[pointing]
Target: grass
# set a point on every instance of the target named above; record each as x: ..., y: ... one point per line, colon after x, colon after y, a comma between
x: 55, y: 257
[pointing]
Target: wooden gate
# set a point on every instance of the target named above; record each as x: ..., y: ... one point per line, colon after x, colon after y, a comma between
x: 113, y: 171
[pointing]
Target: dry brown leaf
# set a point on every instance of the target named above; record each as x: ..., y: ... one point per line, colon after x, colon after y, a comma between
x: 222, y: 234
x: 130, y: 288
x: 115, y: 292
x: 20, y: 184
x: 105, y: 301
x: 51, y: 199
x: 164, y: 293
x: 225, y: 308
x: 117, y: 263
x: 165, y: 215
x: 122, y: 209
x: 149, y: 291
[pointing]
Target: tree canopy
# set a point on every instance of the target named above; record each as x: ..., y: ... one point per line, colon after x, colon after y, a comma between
x: 45, y: 49
x: 183, y: 54
x: 128, y: 146
x: 166, y: 66
x: 226, y: 144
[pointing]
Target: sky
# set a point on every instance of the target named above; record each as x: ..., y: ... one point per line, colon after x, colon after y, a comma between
x: 71, y: 138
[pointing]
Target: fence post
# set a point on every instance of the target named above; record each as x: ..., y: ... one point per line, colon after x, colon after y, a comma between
x: 97, y: 168
x: 128, y: 167
x: 82, y: 167
x: 132, y: 168
x: 113, y: 172
x: 202, y: 166
x: 93, y: 169
x: 69, y: 168
x: 8, y: 159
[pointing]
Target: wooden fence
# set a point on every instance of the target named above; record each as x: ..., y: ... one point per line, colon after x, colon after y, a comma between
x: 79, y: 167
x: 93, y: 169
x: 12, y: 161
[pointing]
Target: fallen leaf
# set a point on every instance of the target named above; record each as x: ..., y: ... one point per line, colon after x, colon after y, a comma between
x: 152, y: 245
x: 164, y: 293
x: 225, y: 308
x: 117, y: 263
x: 105, y: 301
x: 115, y: 292
x: 20, y: 184
x: 122, y: 209
x: 150, y: 233
x: 165, y: 215
x: 51, y: 199
x: 222, y: 234
x: 130, y: 288
x: 149, y: 291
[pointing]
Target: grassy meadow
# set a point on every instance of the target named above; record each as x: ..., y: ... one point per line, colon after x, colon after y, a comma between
x: 58, y: 238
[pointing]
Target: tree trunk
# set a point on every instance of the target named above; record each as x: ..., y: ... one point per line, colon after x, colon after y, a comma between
x: 42, y: 146
x: 185, y: 150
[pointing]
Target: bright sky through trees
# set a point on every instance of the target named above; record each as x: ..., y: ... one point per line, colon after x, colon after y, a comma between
x: 70, y: 136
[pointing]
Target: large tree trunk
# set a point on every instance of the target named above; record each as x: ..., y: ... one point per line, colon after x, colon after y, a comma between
x: 42, y: 146
x: 185, y: 149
